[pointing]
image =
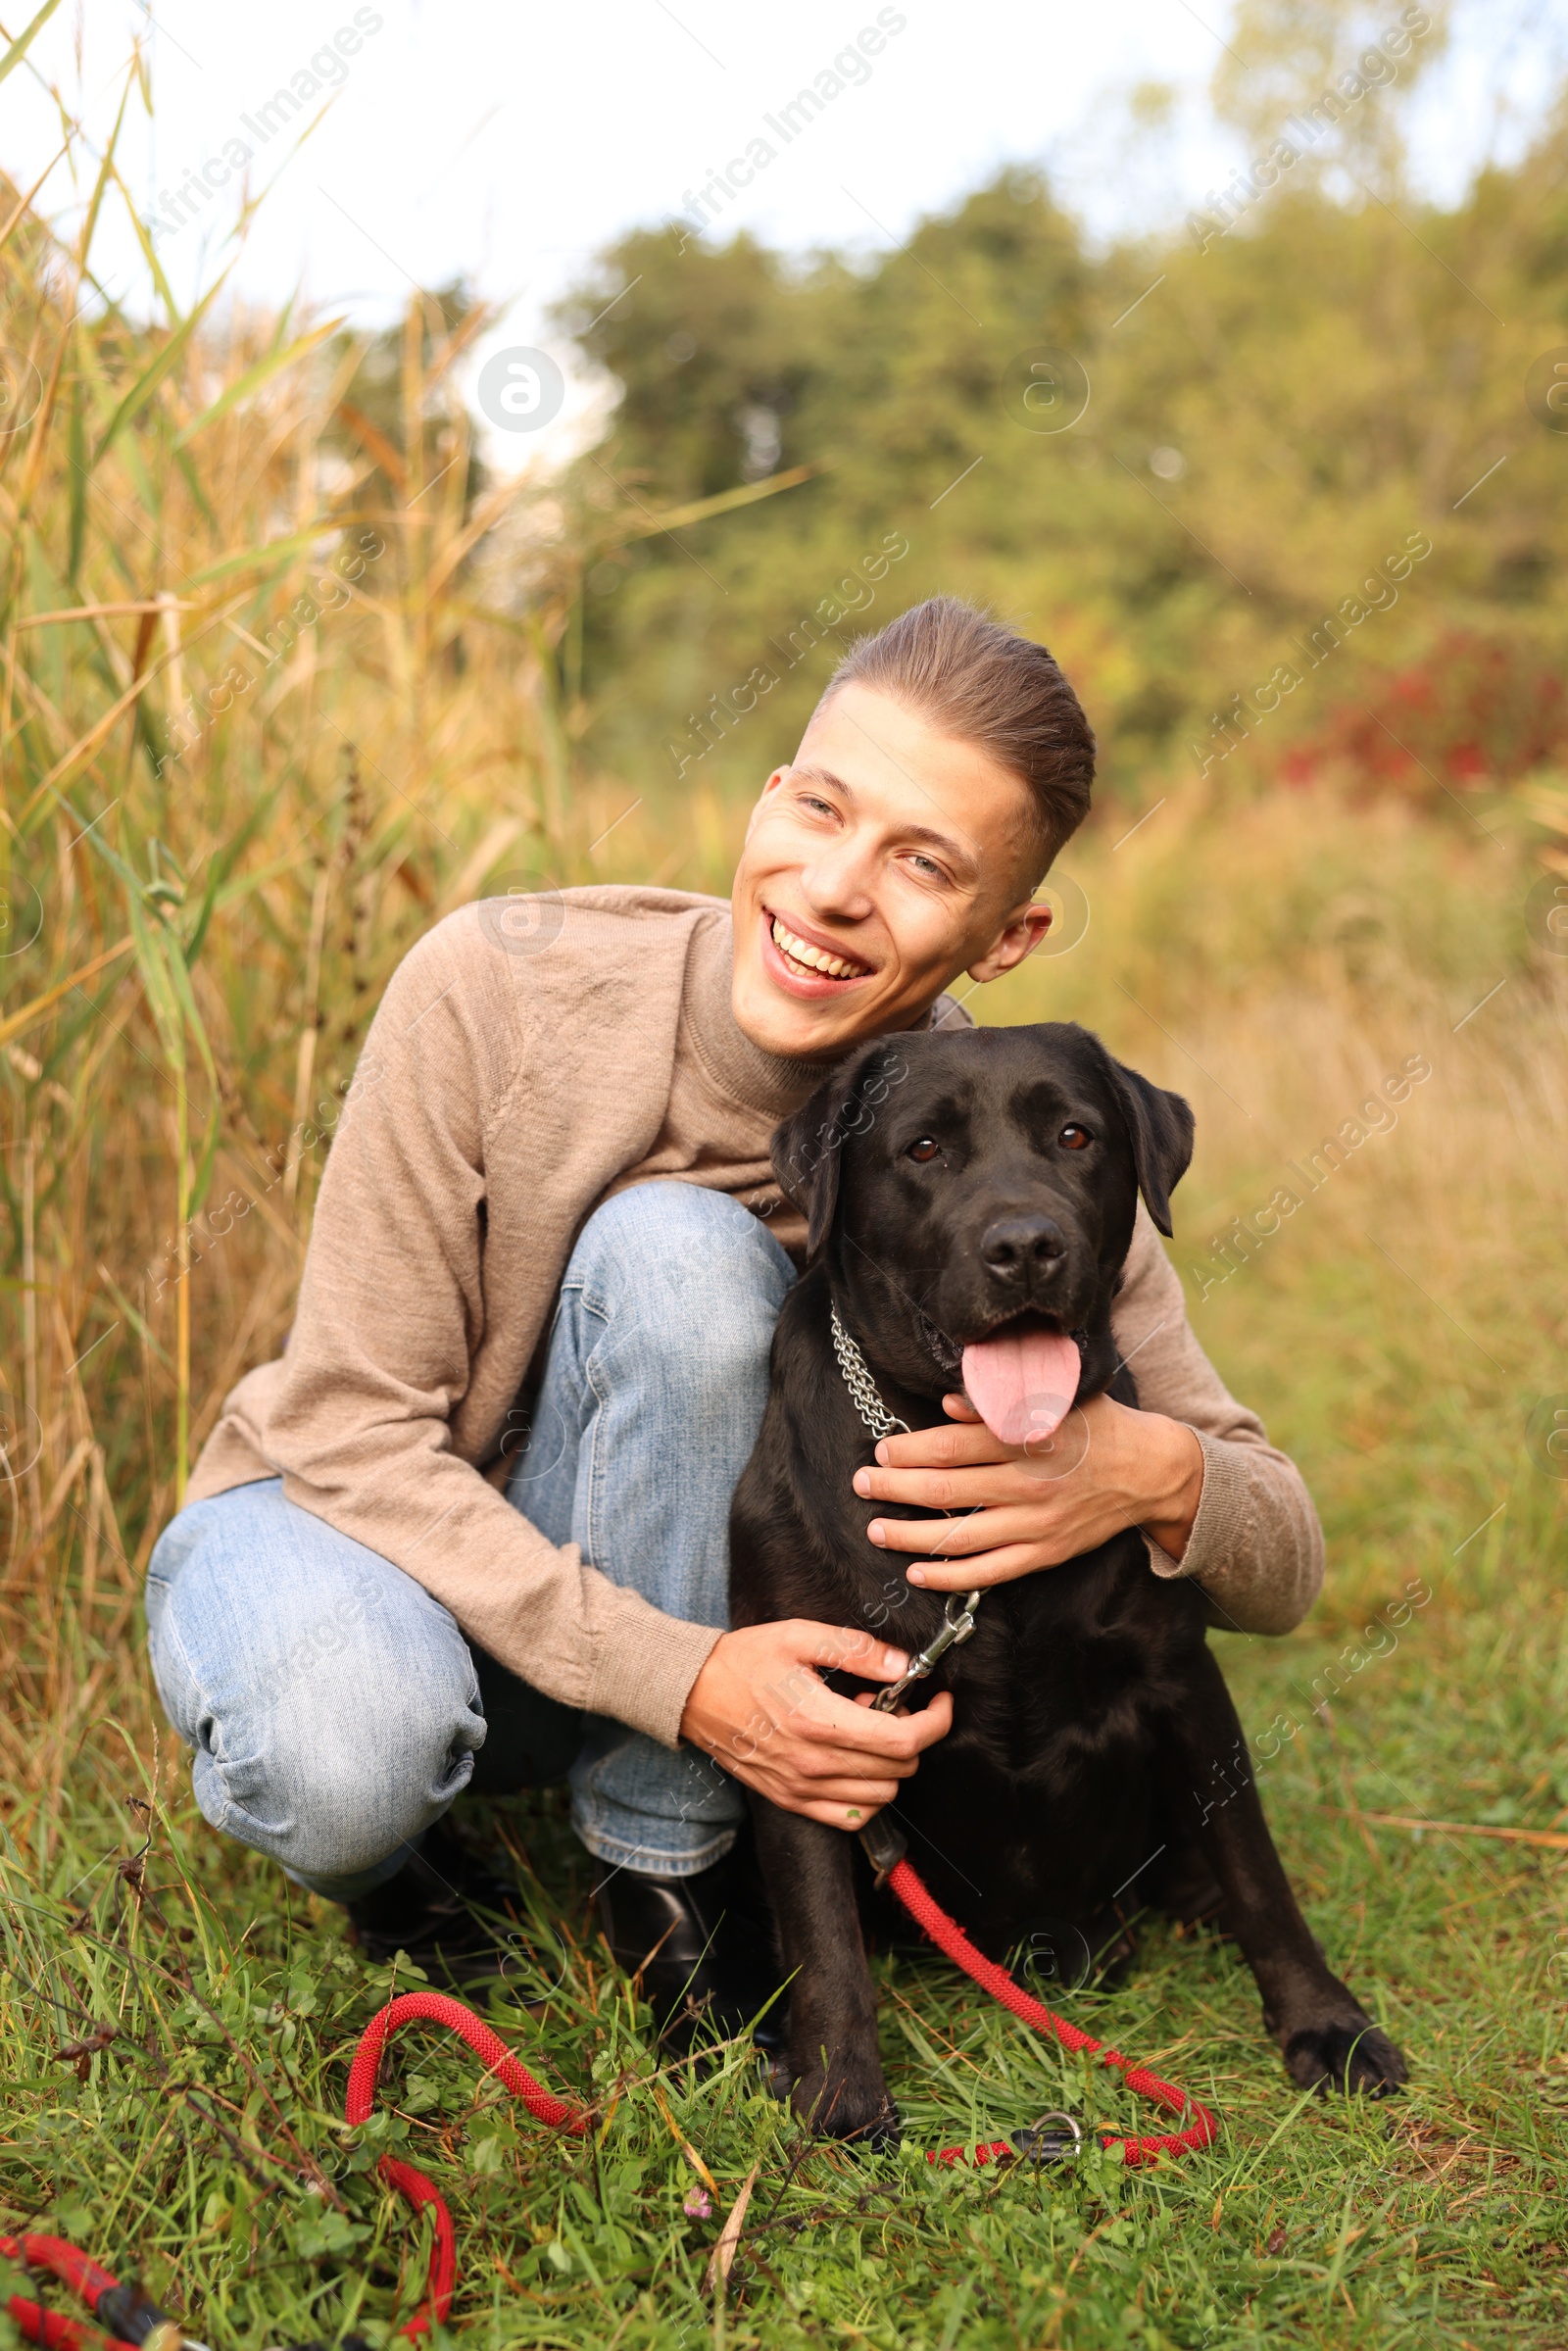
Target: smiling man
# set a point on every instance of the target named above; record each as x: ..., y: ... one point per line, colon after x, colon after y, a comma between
x: 470, y: 1531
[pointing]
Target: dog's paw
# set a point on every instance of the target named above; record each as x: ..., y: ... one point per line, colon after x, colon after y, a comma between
x: 847, y: 2105
x: 1348, y: 2054
x: 881, y: 2135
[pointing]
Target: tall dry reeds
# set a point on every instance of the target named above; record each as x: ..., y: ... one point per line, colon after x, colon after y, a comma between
x: 263, y: 716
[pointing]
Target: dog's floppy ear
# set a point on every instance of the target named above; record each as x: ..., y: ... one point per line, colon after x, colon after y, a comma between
x: 1160, y: 1125
x: 809, y: 1145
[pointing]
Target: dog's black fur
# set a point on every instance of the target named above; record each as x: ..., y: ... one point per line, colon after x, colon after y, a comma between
x: 1096, y: 1761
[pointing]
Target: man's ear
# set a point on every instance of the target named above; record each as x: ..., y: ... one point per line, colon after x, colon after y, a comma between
x: 807, y: 1148
x: 1023, y: 932
x: 1161, y: 1129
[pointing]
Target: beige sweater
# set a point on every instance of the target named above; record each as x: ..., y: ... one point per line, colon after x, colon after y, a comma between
x: 510, y: 1084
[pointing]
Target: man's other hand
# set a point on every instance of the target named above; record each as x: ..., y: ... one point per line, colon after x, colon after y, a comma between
x: 1018, y: 1507
x: 761, y: 1707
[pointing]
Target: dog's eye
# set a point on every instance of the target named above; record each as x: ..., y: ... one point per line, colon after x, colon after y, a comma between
x: 926, y: 1148
x: 1074, y: 1138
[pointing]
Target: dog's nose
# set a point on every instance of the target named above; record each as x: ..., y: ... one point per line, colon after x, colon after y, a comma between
x: 1017, y: 1246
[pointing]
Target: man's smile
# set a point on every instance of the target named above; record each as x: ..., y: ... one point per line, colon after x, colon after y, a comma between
x: 808, y: 956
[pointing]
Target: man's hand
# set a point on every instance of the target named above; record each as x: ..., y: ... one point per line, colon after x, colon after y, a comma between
x: 1035, y: 1505
x: 761, y: 1708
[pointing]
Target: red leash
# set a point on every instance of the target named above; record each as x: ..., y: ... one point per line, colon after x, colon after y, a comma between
x: 949, y: 1936
x: 434, y: 2008
x: 883, y: 1844
x: 112, y: 2304
x: 132, y: 2322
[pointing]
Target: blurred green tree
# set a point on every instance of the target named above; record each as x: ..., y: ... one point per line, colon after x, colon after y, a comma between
x: 1217, y: 547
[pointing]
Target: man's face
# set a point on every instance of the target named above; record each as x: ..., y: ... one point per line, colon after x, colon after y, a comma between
x: 894, y: 855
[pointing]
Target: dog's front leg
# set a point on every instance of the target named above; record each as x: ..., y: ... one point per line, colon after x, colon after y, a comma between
x: 1327, y: 2036
x: 839, y: 2087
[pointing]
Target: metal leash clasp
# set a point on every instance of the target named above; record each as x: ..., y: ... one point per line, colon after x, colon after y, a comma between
x: 1040, y: 2145
x: 957, y: 1623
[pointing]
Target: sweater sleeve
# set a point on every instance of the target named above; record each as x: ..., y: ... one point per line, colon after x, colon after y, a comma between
x: 1257, y: 1548
x: 392, y: 1306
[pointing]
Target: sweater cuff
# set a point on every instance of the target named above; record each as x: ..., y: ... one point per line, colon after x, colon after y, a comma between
x: 1250, y: 1554
x: 645, y: 1665
x: 1222, y: 1512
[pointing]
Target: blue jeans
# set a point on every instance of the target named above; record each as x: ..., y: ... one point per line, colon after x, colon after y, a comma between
x: 335, y: 1709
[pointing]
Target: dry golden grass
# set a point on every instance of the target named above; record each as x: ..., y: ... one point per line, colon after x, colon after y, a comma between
x: 259, y: 728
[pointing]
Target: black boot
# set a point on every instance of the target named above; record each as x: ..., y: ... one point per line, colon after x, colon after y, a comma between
x: 431, y: 1910
x: 702, y: 1947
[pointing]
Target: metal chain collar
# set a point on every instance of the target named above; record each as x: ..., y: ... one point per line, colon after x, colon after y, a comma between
x: 958, y: 1618
x: 861, y: 1384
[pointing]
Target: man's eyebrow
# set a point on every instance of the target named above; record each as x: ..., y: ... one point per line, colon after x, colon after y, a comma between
x: 824, y: 776
x: 964, y: 858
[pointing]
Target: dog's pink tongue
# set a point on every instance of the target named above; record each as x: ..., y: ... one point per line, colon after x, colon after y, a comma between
x: 1021, y: 1383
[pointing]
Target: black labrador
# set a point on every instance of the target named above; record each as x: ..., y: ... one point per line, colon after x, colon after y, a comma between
x: 971, y: 1200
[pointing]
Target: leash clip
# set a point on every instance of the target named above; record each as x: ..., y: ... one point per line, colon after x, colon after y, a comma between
x: 1039, y: 2146
x: 957, y: 1623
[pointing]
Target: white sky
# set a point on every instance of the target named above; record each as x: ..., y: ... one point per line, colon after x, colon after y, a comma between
x: 507, y: 143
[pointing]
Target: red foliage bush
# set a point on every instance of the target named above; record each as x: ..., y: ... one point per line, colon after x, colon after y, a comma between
x: 1476, y: 710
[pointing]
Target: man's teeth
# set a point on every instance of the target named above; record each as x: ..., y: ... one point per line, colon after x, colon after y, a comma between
x: 814, y: 958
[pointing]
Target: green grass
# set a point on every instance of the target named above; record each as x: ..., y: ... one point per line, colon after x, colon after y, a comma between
x: 203, y: 2149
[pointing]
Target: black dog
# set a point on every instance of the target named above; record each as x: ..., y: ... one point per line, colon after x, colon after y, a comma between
x: 970, y: 1202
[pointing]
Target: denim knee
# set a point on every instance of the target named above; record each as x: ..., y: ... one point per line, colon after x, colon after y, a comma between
x: 702, y: 1273
x: 338, y: 1800
x: 329, y: 1739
